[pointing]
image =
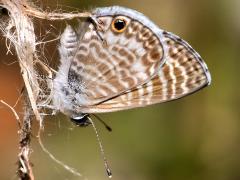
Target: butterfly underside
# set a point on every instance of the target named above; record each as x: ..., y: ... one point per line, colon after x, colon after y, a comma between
x: 121, y: 60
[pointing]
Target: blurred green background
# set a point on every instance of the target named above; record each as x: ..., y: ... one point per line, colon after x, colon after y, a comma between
x: 195, y: 138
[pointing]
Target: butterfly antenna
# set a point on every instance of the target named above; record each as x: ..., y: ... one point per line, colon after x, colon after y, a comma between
x: 109, y: 172
x: 104, y: 123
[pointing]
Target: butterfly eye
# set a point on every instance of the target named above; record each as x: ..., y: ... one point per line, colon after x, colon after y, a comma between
x: 3, y: 11
x: 119, y: 25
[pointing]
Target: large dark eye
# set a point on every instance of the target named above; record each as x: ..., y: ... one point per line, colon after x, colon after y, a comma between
x: 119, y: 25
x: 3, y: 11
x: 81, y: 120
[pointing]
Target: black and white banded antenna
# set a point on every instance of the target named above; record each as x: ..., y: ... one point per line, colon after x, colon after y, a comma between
x: 108, y: 170
x: 104, y: 123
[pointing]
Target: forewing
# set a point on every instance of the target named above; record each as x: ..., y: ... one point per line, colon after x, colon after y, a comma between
x: 183, y: 73
x: 107, y: 64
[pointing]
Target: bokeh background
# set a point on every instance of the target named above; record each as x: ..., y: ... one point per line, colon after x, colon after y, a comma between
x: 195, y: 138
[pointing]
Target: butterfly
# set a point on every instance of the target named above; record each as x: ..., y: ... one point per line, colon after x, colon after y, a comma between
x: 118, y: 59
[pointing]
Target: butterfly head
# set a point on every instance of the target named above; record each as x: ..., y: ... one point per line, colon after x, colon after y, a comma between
x: 81, y: 120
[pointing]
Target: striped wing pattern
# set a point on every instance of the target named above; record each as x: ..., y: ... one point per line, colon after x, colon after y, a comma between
x: 104, y: 69
x: 183, y: 73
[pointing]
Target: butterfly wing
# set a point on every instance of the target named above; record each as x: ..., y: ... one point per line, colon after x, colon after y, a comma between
x: 108, y: 63
x: 183, y: 73
x: 103, y: 70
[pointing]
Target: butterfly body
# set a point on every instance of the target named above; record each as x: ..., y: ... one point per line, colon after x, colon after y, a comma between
x: 125, y: 62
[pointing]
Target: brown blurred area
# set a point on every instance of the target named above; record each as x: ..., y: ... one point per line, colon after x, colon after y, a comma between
x: 195, y: 138
x: 10, y: 87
